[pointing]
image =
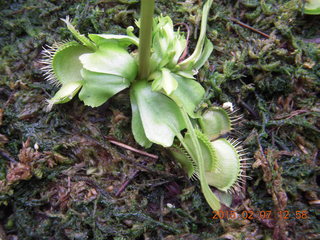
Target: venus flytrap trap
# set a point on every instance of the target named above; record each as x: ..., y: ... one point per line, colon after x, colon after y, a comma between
x: 312, y: 7
x: 163, y: 93
x: 98, y: 67
x: 224, y: 159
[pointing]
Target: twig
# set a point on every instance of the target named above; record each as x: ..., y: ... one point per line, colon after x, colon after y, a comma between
x: 162, y: 183
x: 292, y: 114
x: 313, y: 40
x: 7, y: 156
x: 135, y: 173
x: 261, y: 150
x: 142, y: 166
x: 252, y: 112
x: 161, y: 216
x: 92, y: 183
x: 126, y: 183
x: 249, y: 27
x: 133, y: 160
x: 120, y: 144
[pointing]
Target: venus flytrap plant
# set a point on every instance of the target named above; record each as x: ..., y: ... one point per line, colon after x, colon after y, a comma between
x: 163, y: 92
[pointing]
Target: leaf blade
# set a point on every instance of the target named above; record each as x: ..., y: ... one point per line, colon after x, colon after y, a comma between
x: 110, y: 58
x: 99, y: 87
x: 188, y: 94
x: 161, y: 117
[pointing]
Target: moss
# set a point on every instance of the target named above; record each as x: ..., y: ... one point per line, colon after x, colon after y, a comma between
x: 274, y: 82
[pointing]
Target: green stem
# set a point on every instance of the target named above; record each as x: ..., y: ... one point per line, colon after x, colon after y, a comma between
x: 202, y: 37
x: 145, y: 37
x: 212, y: 200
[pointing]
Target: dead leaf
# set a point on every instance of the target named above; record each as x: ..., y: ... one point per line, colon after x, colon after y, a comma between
x: 17, y: 172
x: 28, y: 154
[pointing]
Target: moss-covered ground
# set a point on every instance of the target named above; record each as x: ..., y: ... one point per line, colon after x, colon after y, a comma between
x: 60, y: 176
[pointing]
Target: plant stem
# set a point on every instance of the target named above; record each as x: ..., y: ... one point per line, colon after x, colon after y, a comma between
x: 145, y: 36
x: 202, y: 36
x: 212, y: 200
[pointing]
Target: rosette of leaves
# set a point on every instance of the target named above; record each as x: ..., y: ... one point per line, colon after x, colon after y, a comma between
x: 170, y: 80
x: 163, y: 91
x: 100, y: 66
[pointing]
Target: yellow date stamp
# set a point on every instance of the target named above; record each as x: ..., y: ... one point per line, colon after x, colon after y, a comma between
x: 268, y: 214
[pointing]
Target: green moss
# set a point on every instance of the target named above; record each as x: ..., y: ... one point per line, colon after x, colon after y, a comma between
x: 275, y: 78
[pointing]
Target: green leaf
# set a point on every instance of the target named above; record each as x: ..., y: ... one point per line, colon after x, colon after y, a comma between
x: 196, y: 154
x: 165, y: 81
x: 180, y: 44
x: 186, y: 74
x: 188, y: 94
x: 189, y: 164
x: 229, y: 165
x: 188, y: 63
x: 224, y: 197
x: 83, y: 39
x: 215, y: 122
x: 64, y: 69
x: 158, y: 61
x: 163, y: 35
x: 65, y: 94
x: 168, y: 45
x: 207, y: 50
x: 207, y: 151
x: 312, y: 7
x: 136, y: 124
x: 161, y: 117
x: 66, y: 64
x: 99, y: 87
x: 184, y: 159
x: 110, y: 58
x: 122, y: 40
